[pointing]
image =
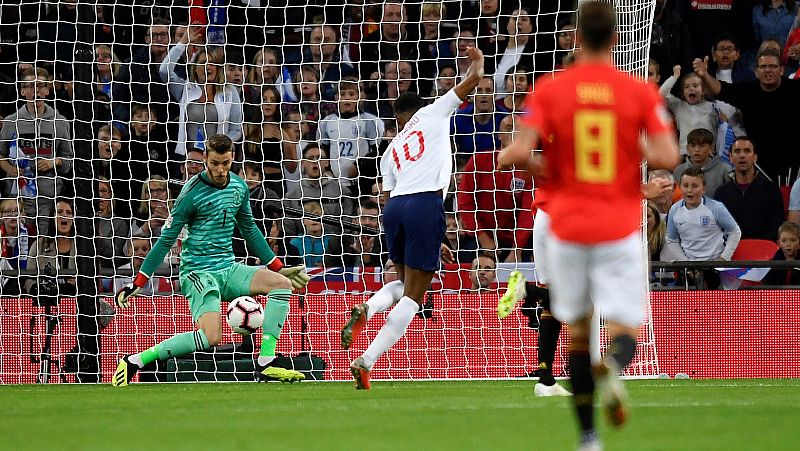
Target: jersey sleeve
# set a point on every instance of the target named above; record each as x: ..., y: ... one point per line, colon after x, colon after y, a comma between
x: 180, y: 215
x: 445, y: 105
x: 532, y: 112
x: 254, y: 238
x: 389, y: 181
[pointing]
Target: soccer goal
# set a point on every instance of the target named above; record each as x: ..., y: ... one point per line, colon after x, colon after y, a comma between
x: 115, y: 103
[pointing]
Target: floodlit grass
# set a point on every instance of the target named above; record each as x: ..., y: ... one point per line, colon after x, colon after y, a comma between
x: 488, y: 415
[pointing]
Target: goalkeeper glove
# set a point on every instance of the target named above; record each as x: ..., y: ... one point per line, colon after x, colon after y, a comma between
x: 296, y: 274
x: 124, y: 294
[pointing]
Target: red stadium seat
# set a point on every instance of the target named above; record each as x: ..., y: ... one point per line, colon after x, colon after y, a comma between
x: 753, y: 249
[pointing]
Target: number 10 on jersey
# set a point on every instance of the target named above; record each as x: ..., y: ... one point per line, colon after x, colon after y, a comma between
x: 408, y: 153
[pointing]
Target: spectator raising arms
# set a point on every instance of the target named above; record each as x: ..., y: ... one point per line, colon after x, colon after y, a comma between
x: 207, y: 106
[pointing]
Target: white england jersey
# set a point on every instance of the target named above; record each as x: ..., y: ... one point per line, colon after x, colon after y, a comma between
x: 420, y: 157
x: 349, y: 139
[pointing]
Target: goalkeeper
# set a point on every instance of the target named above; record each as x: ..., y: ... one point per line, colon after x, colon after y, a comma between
x: 210, y: 205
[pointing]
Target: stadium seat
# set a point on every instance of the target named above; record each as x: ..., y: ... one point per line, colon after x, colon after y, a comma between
x: 753, y: 249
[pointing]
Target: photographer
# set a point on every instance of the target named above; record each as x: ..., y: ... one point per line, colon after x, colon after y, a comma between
x: 51, y: 254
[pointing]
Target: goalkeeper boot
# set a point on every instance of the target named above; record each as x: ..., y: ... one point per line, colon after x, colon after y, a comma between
x: 354, y: 326
x: 360, y: 374
x: 124, y: 373
x: 541, y: 390
x: 272, y: 372
x: 515, y: 291
x: 612, y: 394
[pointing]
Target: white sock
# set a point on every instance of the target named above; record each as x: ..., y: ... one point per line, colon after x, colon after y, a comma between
x: 386, y: 297
x: 265, y: 360
x: 136, y: 359
x: 396, y: 324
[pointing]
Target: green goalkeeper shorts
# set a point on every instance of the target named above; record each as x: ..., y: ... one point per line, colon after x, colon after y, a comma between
x: 205, y: 290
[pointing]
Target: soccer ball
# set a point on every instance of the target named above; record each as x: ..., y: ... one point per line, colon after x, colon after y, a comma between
x: 244, y: 315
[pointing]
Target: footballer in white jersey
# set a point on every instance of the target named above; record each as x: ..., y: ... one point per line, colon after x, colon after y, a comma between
x: 416, y: 169
x: 420, y: 157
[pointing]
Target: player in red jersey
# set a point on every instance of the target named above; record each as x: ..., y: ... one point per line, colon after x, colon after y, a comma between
x: 589, y: 120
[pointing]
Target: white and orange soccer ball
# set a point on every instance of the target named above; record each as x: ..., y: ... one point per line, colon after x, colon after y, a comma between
x: 245, y: 315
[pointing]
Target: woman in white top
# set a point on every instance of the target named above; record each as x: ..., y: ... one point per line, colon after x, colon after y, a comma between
x: 207, y: 105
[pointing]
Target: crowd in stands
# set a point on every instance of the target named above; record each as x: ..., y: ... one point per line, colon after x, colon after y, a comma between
x: 307, y: 96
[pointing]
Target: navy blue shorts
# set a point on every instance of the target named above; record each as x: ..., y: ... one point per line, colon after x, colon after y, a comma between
x: 415, y: 228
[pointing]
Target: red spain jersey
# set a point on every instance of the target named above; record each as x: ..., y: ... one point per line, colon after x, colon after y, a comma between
x: 589, y: 119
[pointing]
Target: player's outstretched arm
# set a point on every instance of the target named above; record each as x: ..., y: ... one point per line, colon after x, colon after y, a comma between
x: 519, y: 152
x: 661, y: 151
x: 473, y: 75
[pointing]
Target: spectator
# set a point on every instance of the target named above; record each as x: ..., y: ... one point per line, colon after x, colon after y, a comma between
x: 754, y: 202
x: 727, y: 67
x: 148, y: 147
x: 768, y: 108
x: 489, y: 30
x: 445, y: 80
x: 393, y: 41
x: 653, y: 72
x: 318, y: 184
x: 54, y: 251
x: 267, y: 69
x: 36, y: 151
x: 565, y: 45
x: 263, y: 141
x: 153, y: 211
x: 664, y: 201
x: 106, y: 69
x: 112, y: 162
x: 110, y: 230
x: 519, y: 82
x: 15, y: 242
x: 794, y: 203
x: 483, y: 273
x: 322, y: 53
x: 363, y: 249
x: 517, y: 49
x: 788, y: 244
x: 495, y: 205
x: 715, y: 171
x: 139, y: 80
x: 191, y: 166
x: 261, y: 200
x: 656, y: 233
x: 773, y: 19
x: 670, y: 39
x: 475, y: 128
x: 463, y: 245
x: 311, y: 110
x: 207, y: 106
x: 235, y: 71
x: 432, y: 48
x: 691, y: 111
x: 140, y: 247
x: 399, y: 77
x: 462, y: 40
x: 350, y: 134
x: 314, y: 244
x: 698, y: 227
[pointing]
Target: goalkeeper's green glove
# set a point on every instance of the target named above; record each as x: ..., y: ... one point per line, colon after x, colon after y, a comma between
x: 296, y: 274
x: 124, y: 294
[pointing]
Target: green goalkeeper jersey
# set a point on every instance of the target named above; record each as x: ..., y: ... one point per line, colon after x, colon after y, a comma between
x: 209, y: 213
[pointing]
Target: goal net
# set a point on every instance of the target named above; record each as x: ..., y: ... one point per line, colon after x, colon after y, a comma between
x: 106, y: 111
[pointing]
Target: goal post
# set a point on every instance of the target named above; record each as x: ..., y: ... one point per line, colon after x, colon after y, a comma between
x: 115, y: 102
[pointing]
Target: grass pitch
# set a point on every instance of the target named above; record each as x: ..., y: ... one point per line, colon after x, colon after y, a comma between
x: 487, y: 415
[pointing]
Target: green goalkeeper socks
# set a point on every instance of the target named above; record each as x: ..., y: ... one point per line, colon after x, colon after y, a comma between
x: 274, y: 316
x: 175, y: 346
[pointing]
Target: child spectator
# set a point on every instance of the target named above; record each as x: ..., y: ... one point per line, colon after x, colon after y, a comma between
x: 656, y: 232
x: 15, y: 241
x: 788, y: 242
x: 463, y: 245
x: 148, y: 147
x: 700, y: 228
x: 140, y: 247
x: 700, y: 146
x: 653, y: 72
x: 314, y: 244
x: 691, y: 111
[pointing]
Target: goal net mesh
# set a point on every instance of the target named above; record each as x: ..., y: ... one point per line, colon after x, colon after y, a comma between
x: 106, y: 111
